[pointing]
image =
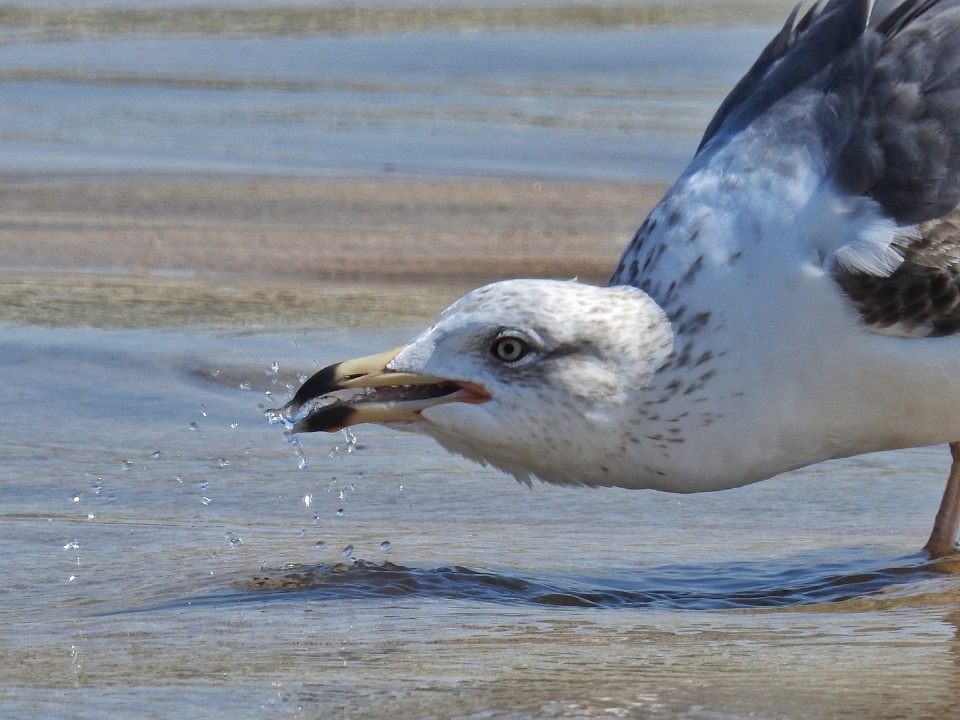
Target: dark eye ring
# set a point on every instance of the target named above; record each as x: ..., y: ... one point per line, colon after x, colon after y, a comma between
x: 509, y: 349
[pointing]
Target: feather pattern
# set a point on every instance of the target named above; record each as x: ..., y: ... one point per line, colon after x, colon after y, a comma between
x: 871, y: 96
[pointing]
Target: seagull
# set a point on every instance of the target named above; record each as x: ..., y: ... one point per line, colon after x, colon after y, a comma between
x: 793, y: 298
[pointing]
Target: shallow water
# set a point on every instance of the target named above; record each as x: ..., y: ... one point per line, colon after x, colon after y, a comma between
x: 163, y: 559
x: 602, y: 104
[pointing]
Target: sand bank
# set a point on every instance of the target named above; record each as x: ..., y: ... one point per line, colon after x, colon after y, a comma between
x: 152, y: 252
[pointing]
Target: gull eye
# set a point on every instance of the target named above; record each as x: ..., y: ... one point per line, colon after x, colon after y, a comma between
x: 509, y: 349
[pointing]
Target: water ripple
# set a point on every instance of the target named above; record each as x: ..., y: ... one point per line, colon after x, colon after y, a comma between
x: 744, y: 585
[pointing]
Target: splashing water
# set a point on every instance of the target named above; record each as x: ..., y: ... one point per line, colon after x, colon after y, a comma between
x: 294, y: 442
x: 233, y: 540
x: 350, y: 438
x: 276, y: 416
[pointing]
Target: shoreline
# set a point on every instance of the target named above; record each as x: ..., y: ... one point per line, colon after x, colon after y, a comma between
x: 355, y: 252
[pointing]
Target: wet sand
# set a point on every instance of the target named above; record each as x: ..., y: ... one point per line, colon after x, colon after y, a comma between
x: 152, y: 252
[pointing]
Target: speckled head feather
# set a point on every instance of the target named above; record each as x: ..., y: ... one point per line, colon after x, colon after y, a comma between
x: 564, y: 393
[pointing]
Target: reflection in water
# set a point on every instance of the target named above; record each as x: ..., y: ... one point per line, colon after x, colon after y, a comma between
x: 748, y: 585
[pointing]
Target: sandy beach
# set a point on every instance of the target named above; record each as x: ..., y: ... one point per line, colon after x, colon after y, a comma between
x: 159, y: 252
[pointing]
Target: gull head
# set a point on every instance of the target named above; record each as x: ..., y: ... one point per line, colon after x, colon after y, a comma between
x: 539, y: 378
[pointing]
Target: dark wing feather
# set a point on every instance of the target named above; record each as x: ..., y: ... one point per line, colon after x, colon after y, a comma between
x: 922, y: 296
x: 904, y: 151
x: 797, y: 54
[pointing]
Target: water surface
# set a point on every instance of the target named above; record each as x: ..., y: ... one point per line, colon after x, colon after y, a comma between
x: 605, y: 104
x: 165, y: 550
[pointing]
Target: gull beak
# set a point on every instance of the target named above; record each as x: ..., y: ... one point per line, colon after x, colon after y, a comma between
x: 365, y: 390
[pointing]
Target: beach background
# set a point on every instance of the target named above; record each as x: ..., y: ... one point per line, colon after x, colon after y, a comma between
x: 300, y: 154
x: 203, y: 202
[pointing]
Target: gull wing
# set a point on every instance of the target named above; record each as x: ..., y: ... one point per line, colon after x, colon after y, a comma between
x: 904, y: 154
x: 872, y: 93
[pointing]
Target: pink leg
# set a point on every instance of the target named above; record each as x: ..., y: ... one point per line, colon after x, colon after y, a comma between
x: 942, y: 542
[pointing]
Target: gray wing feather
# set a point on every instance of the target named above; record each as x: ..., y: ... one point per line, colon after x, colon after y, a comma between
x: 904, y: 149
x: 904, y: 153
x: 887, y: 88
x: 883, y: 94
x: 798, y: 53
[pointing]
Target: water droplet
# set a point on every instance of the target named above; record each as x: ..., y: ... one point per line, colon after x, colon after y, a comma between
x: 72, y: 545
x: 302, y: 378
x: 233, y: 540
x: 221, y: 462
x: 156, y: 453
x: 321, y: 546
x: 204, y: 486
x: 205, y: 500
x: 178, y: 478
x: 76, y: 498
x: 294, y: 442
x: 350, y: 438
x: 316, y: 518
x: 194, y: 427
x: 340, y: 512
x: 307, y: 499
x: 127, y: 464
x: 234, y: 425
x: 90, y: 516
x: 399, y: 488
x: 347, y: 551
x: 203, y: 406
x: 72, y: 578
x: 244, y: 385
x: 385, y: 546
